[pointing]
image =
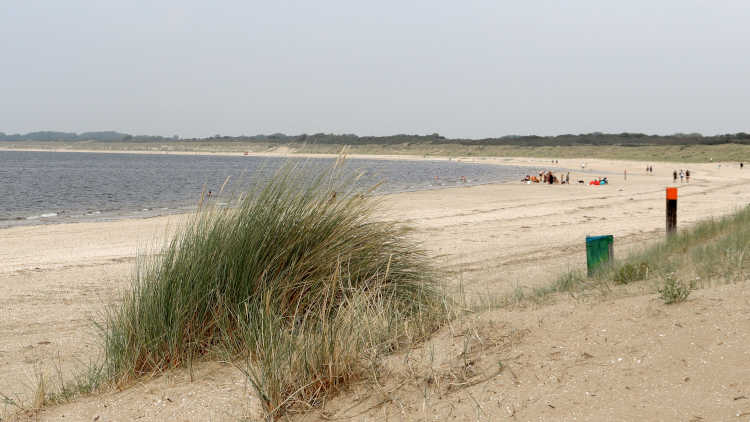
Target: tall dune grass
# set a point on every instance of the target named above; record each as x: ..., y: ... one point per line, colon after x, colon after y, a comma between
x: 299, y: 285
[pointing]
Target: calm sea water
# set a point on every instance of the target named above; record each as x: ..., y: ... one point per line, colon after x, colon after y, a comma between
x: 55, y: 187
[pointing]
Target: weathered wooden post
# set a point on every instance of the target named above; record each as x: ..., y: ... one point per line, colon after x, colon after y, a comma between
x: 671, y: 211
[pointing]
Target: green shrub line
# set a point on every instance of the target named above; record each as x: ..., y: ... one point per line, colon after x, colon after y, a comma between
x: 299, y: 286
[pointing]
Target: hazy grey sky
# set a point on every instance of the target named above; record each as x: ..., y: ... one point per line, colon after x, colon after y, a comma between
x: 460, y: 68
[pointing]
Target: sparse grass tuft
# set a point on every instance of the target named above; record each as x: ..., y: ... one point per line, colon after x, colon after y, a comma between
x: 673, y: 291
x: 40, y: 392
x: 84, y: 381
x: 630, y: 272
x: 296, y: 285
x: 568, y: 282
x: 51, y: 388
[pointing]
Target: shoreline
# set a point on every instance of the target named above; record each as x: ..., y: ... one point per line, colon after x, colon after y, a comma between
x: 54, y: 216
x: 593, y: 167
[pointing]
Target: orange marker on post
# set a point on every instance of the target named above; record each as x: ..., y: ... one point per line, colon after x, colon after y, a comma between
x: 671, y: 211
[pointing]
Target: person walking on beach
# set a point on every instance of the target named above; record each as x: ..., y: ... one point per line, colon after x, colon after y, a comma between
x: 682, y: 175
x: 687, y: 176
x: 742, y: 165
x: 674, y: 176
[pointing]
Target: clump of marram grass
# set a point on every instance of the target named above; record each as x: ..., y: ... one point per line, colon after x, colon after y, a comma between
x: 299, y: 285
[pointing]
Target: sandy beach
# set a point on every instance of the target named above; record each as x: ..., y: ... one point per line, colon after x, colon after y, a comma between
x: 492, y: 239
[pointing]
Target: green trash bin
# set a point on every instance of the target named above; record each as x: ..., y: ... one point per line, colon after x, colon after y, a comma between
x: 598, y: 251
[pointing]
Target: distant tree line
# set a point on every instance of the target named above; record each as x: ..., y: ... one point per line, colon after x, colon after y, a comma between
x: 596, y: 138
x: 103, y: 136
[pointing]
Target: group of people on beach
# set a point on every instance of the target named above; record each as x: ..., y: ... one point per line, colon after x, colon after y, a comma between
x: 547, y: 177
x: 684, y: 176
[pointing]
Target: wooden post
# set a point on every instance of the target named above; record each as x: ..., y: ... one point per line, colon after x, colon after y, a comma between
x: 671, y: 211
